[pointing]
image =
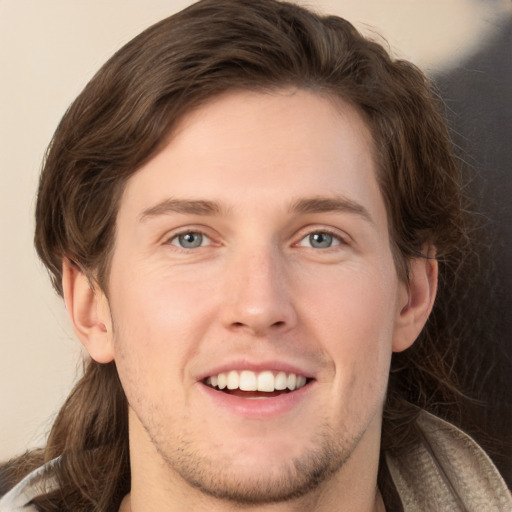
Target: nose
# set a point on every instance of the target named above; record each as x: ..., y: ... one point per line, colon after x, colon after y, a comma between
x: 258, y: 298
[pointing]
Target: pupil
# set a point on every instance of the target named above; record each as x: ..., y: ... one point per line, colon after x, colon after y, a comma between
x: 191, y: 240
x: 320, y: 240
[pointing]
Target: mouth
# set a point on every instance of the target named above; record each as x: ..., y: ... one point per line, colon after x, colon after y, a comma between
x: 249, y: 384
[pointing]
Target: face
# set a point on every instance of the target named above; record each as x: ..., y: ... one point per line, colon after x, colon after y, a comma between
x: 254, y: 299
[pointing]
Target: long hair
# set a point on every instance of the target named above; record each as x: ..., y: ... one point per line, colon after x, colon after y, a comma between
x: 125, y: 115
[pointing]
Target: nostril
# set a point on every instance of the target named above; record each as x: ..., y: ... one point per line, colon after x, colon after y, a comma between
x: 238, y: 326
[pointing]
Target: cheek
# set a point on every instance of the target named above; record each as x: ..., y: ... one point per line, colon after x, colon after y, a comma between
x: 152, y: 323
x: 160, y: 306
x: 354, y: 323
x: 351, y: 303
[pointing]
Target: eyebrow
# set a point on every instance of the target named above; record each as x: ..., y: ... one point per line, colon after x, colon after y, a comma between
x: 303, y: 206
x: 185, y: 206
x: 330, y: 204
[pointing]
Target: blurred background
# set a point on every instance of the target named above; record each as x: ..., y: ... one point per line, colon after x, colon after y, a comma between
x: 50, y: 48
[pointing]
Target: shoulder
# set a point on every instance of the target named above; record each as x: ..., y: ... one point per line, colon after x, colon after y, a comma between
x: 447, y: 471
x: 34, y: 484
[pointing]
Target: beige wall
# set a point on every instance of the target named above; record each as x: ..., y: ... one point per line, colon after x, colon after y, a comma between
x: 48, y: 50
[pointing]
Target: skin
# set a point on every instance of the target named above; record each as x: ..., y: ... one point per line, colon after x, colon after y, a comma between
x: 257, y: 290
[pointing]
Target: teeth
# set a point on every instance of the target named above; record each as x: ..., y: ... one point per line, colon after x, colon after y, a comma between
x: 281, y: 381
x: 266, y: 381
x: 233, y: 380
x: 248, y: 381
x: 221, y: 380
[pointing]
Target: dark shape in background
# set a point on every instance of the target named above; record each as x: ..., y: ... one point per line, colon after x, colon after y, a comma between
x: 478, y: 96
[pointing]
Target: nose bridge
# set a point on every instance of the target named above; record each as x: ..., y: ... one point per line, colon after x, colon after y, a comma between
x: 259, y: 297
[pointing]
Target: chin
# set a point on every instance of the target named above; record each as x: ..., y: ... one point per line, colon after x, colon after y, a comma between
x: 256, y: 479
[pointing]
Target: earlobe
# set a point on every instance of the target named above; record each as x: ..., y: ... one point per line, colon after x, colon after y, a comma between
x: 417, y: 303
x: 89, y: 311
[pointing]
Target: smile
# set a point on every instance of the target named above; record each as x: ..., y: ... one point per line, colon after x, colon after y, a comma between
x: 266, y: 381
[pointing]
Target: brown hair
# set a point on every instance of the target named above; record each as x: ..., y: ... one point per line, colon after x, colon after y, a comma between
x: 122, y: 119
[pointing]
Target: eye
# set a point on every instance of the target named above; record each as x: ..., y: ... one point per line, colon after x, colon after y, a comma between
x: 189, y: 240
x: 320, y: 240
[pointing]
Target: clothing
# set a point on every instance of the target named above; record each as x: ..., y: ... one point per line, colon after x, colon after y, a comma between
x: 32, y: 485
x: 446, y: 472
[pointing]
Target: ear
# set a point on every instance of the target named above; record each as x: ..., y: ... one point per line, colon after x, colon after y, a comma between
x: 89, y: 311
x: 416, y: 302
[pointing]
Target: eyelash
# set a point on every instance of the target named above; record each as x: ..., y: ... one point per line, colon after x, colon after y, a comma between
x: 184, y: 233
x: 335, y: 236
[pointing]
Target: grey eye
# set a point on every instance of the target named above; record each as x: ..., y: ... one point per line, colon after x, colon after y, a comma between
x: 321, y: 240
x: 188, y: 240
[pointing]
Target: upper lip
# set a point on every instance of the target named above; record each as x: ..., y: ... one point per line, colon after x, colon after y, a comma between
x: 260, y: 366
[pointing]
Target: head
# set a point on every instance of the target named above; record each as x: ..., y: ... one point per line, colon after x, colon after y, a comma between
x: 226, y: 54
x: 129, y: 109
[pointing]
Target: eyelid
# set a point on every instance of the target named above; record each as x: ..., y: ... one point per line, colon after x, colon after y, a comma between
x: 194, y: 229
x: 342, y: 237
x: 205, y: 238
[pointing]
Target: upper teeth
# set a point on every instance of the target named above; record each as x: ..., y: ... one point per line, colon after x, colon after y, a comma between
x: 266, y: 381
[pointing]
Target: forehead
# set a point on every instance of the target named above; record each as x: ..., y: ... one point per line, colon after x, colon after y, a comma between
x: 243, y: 143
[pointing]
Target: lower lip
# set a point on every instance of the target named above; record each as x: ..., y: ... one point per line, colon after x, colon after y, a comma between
x: 256, y: 407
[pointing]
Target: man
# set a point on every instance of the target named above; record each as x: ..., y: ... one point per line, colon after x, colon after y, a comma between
x: 246, y: 212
